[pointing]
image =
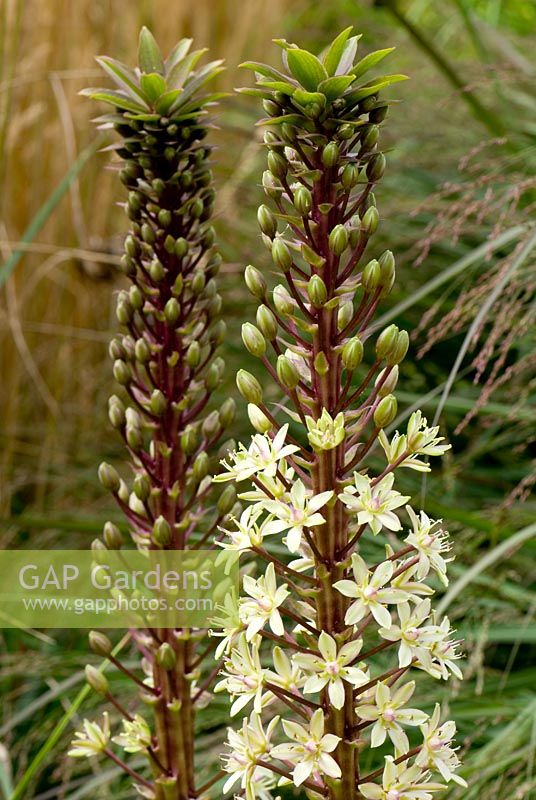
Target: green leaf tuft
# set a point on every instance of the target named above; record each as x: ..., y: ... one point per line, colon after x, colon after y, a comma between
x: 306, y: 68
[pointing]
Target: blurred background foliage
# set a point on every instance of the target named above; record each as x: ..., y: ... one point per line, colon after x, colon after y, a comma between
x: 457, y: 209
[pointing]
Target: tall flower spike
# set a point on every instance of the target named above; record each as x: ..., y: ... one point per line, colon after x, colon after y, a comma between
x: 167, y: 366
x: 352, y: 629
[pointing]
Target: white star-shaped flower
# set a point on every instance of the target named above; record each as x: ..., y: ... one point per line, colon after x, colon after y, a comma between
x: 368, y: 590
x: 374, y: 505
x: 309, y: 751
x: 333, y: 668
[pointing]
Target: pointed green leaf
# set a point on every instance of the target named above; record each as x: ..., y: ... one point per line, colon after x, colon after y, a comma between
x: 374, y: 86
x: 370, y: 61
x: 264, y: 70
x: 165, y: 101
x: 178, y: 53
x: 153, y: 85
x: 307, y: 98
x: 118, y: 99
x: 335, y: 50
x: 122, y: 75
x: 278, y: 86
x: 335, y: 87
x: 149, y: 55
x: 207, y: 73
x: 306, y: 68
x: 347, y: 59
x: 182, y: 69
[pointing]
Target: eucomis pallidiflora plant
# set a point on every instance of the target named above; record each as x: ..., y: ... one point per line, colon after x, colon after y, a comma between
x: 341, y: 636
x: 165, y: 363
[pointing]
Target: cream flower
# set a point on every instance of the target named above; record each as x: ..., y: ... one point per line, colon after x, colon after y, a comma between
x: 418, y: 441
x: 389, y: 715
x: 325, y: 433
x: 368, y: 590
x: 263, y: 607
x: 413, y: 637
x: 263, y: 456
x: 374, y: 504
x: 430, y: 543
x: 136, y: 736
x: 92, y: 740
x: 309, y: 751
x: 400, y: 782
x: 332, y: 668
x: 250, y: 530
x: 298, y: 510
x: 287, y: 675
x: 243, y: 677
x: 246, y: 746
x: 437, y: 752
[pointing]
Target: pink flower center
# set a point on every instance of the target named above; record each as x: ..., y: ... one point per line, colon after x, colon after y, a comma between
x: 310, y: 746
x: 412, y: 634
x: 332, y: 667
x: 392, y: 794
x: 389, y: 715
x: 435, y: 743
x: 370, y: 593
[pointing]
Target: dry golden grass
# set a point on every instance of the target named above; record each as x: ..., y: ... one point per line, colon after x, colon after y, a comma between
x: 56, y: 309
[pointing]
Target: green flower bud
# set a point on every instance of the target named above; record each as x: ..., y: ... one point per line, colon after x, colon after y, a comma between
x: 370, y: 137
x: 350, y: 176
x: 164, y: 217
x: 390, y: 382
x: 142, y: 351
x: 116, y: 412
x: 198, y: 282
x: 147, y: 233
x: 376, y: 167
x: 321, y: 364
x: 113, y: 538
x: 282, y: 300
x: 370, y: 221
x: 142, y: 486
x: 287, y: 373
x: 217, y: 332
x: 196, y: 208
x: 116, y: 350
x: 338, y: 240
x: 211, y: 425
x: 398, y: 352
x: 330, y: 155
x: 97, y: 680
x: 385, y: 411
x: 267, y: 221
x: 386, y: 341
x: 122, y: 372
x: 172, y: 310
x: 109, y: 477
x: 378, y: 114
x: 387, y: 264
x: 346, y: 131
x: 317, y: 291
x: 345, y: 314
x: 100, y: 643
x: 277, y: 164
x: 255, y: 282
x: 180, y: 247
x: 134, y: 438
x: 193, y: 355
x: 266, y: 322
x: 352, y: 353
x: 161, y: 532
x: 201, y: 467
x: 226, y: 500
x: 227, y: 412
x: 136, y: 297
x: 158, y: 402
x: 157, y: 271
x: 253, y: 340
x: 271, y: 108
x: 281, y: 255
x: 166, y: 656
x: 303, y: 200
x: 124, y: 311
x: 258, y: 419
x: 213, y: 377
x: 269, y: 184
x: 249, y: 387
x: 132, y: 246
x: 371, y: 276
x: 189, y: 440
